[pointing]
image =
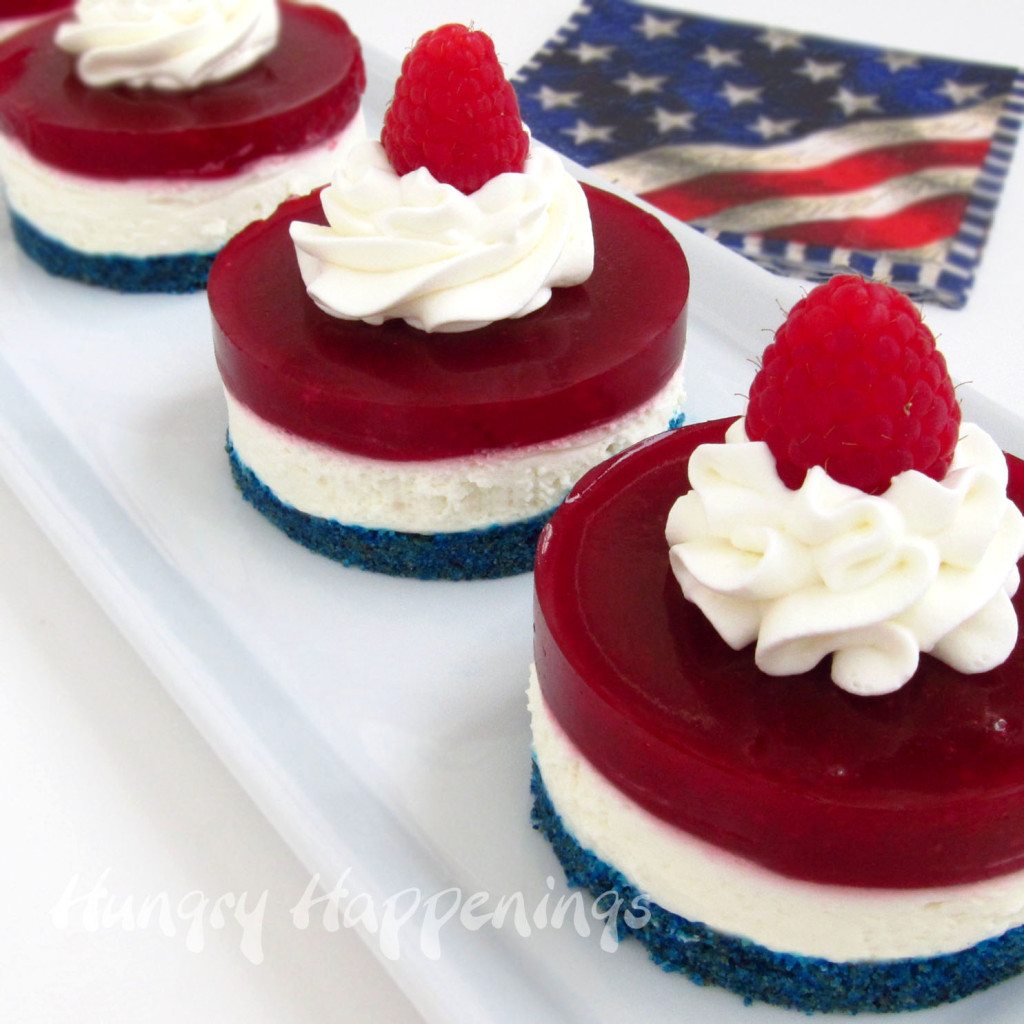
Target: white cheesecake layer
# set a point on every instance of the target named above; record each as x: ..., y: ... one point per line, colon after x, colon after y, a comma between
x: 161, y: 217
x: 701, y: 882
x: 440, y: 495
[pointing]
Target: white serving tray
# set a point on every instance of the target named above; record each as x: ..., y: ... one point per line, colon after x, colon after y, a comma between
x: 380, y: 724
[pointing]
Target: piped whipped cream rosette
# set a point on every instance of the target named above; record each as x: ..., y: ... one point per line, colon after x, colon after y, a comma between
x: 168, y: 44
x: 858, y: 518
x: 826, y: 569
x: 414, y: 248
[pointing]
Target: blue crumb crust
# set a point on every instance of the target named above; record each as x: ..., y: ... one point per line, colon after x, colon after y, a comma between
x: 757, y: 973
x: 469, y: 555
x: 177, y: 274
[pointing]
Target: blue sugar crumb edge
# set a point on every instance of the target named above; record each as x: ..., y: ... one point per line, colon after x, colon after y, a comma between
x: 177, y: 274
x: 487, y: 553
x: 756, y: 973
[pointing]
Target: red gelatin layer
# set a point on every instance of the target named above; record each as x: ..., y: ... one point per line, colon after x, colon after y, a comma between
x: 31, y: 8
x: 594, y: 352
x: 305, y: 91
x: 923, y: 787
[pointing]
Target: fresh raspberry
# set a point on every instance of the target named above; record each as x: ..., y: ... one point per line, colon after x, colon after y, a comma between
x: 853, y: 382
x: 454, y: 112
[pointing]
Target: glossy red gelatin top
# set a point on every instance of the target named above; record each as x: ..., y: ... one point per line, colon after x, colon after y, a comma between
x: 594, y: 352
x: 30, y: 8
x: 923, y: 787
x: 304, y: 92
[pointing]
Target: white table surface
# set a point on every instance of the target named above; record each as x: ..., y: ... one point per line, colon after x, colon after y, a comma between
x: 106, y: 781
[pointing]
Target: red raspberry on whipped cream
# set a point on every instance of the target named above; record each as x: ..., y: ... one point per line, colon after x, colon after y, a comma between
x: 851, y: 515
x: 853, y: 382
x: 454, y: 112
x: 451, y: 221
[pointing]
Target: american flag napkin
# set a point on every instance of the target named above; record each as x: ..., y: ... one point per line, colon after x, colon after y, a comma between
x: 808, y: 155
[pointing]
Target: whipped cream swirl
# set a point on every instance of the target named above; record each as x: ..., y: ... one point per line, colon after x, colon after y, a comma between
x: 928, y: 566
x: 413, y: 248
x: 172, y: 45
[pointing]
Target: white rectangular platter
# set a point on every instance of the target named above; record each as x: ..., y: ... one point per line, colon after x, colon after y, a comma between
x: 379, y: 723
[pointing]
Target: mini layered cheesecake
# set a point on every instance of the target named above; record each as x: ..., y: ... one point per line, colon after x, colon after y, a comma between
x: 130, y: 164
x: 417, y: 371
x: 789, y: 717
